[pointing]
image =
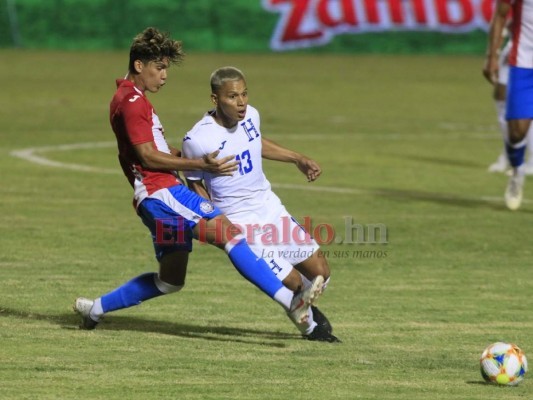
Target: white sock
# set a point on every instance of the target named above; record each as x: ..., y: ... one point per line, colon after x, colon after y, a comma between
x: 284, y: 297
x: 520, y: 170
x: 305, y: 328
x: 164, y: 287
x: 96, y: 310
x: 309, y: 325
x: 307, y: 283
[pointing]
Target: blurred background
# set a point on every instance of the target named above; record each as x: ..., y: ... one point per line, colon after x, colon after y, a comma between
x: 352, y: 26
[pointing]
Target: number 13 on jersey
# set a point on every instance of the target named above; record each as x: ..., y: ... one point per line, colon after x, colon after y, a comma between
x: 245, y: 162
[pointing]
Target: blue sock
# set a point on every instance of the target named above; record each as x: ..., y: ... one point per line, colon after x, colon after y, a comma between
x: 131, y: 293
x: 515, y: 153
x: 253, y: 268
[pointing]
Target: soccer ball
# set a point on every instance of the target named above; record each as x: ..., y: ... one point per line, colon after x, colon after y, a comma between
x: 503, y: 363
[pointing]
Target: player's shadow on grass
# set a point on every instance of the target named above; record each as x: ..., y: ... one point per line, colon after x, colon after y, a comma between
x: 211, y: 333
x: 126, y: 323
x: 444, y: 199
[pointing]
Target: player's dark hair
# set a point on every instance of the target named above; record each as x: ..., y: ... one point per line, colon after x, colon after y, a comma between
x: 221, y: 75
x: 152, y: 45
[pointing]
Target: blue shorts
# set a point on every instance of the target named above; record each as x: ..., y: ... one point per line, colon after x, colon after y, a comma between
x: 520, y: 94
x: 171, y: 214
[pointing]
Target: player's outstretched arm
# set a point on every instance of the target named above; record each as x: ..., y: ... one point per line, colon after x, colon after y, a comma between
x: 276, y: 152
x: 151, y: 158
x: 494, y: 42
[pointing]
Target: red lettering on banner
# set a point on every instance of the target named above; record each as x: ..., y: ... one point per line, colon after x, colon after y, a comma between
x: 487, y: 8
x: 443, y: 12
x: 395, y: 9
x: 420, y: 11
x: 371, y: 11
x: 314, y: 22
x: 348, y: 13
x: 292, y: 30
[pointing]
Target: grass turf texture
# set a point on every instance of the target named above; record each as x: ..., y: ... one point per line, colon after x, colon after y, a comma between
x: 409, y: 140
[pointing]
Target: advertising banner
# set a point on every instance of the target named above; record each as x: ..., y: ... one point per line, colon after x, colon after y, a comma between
x: 306, y: 23
x: 344, y: 26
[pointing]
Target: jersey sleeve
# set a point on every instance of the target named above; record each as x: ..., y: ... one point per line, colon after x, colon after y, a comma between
x: 137, y: 120
x: 192, y: 149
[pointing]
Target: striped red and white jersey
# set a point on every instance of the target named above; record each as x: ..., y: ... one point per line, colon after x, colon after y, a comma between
x: 522, y: 33
x: 134, y: 121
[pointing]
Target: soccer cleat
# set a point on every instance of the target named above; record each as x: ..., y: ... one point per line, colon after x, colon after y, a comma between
x: 83, y: 306
x: 500, y: 165
x: 320, y: 334
x: 301, y: 301
x: 321, y: 320
x: 513, y: 193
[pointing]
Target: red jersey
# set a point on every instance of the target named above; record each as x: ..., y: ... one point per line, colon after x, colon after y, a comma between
x: 134, y: 121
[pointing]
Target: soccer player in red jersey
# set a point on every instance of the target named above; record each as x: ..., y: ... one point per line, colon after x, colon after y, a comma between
x: 173, y: 213
x: 519, y: 109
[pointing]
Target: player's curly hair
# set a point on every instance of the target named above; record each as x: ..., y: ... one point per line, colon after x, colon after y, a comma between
x: 153, y: 45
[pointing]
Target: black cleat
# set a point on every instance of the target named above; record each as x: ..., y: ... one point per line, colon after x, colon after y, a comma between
x: 323, y: 329
x: 321, y: 335
x: 321, y: 320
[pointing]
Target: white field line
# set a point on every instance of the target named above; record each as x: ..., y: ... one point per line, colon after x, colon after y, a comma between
x: 35, y: 155
x: 31, y: 154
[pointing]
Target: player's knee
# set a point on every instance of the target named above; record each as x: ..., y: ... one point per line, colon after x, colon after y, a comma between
x: 220, y: 232
x: 169, y: 287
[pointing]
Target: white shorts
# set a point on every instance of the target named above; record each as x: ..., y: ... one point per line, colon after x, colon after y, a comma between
x: 274, y: 235
x: 503, y: 65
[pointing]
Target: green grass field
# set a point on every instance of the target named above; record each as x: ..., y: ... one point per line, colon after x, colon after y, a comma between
x: 403, y: 141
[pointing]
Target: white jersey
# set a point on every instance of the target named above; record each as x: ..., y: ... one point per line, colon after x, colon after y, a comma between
x: 246, y: 197
x: 522, y: 33
x: 248, y: 190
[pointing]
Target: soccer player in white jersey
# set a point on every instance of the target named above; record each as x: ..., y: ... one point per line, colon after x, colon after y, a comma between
x: 246, y: 198
x: 499, y: 95
x: 519, y: 109
x: 171, y: 211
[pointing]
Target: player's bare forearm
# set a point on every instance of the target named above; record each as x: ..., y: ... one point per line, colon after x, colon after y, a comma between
x: 276, y: 152
x: 495, y: 38
x: 273, y: 151
x: 174, y: 151
x: 198, y: 187
x: 151, y: 158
